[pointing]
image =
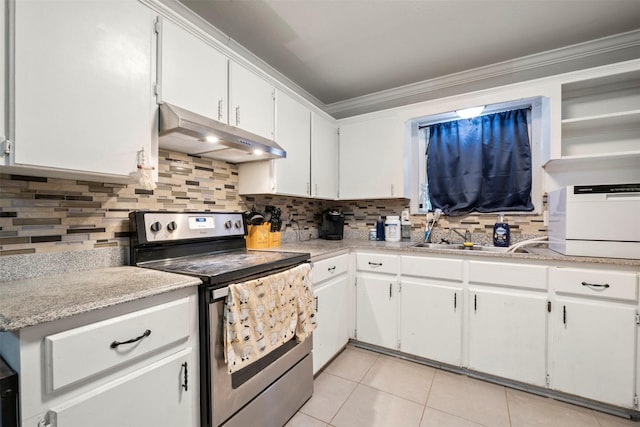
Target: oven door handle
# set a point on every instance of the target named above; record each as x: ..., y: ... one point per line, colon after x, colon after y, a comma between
x: 220, y: 293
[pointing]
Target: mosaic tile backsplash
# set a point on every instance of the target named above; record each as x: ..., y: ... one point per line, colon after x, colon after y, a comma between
x: 39, y: 215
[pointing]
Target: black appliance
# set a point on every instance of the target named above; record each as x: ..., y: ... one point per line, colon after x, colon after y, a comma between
x: 8, y: 396
x: 211, y: 246
x: 332, y: 226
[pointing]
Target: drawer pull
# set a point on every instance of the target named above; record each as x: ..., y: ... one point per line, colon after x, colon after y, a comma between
x: 332, y: 269
x: 185, y: 384
x: 595, y: 285
x: 146, y: 333
x: 375, y: 264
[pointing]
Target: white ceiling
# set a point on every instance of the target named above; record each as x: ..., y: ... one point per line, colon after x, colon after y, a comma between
x: 341, y: 49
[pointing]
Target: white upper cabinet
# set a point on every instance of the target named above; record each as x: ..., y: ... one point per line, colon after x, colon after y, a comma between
x: 291, y: 175
x: 371, y: 157
x: 324, y: 157
x: 83, y: 86
x: 293, y: 133
x: 192, y: 74
x: 251, y: 101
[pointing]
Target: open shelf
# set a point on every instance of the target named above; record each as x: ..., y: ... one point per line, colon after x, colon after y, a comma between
x: 601, y: 117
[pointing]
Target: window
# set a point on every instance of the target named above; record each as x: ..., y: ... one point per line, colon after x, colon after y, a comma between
x: 460, y: 174
x: 481, y: 164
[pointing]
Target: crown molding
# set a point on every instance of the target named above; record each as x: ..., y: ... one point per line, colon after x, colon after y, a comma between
x: 541, y: 65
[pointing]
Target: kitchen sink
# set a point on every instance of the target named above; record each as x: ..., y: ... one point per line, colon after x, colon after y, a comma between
x: 460, y: 247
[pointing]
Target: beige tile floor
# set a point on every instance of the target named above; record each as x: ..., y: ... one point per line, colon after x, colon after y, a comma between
x: 364, y: 388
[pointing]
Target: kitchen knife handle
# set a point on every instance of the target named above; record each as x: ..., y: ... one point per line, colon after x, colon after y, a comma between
x: 145, y: 334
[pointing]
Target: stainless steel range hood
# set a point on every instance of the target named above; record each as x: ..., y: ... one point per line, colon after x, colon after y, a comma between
x: 191, y: 133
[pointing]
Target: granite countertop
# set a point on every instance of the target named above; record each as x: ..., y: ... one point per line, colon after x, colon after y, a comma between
x: 30, y: 302
x: 319, y: 249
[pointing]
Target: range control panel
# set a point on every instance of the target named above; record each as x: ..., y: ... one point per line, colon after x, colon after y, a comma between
x: 170, y: 226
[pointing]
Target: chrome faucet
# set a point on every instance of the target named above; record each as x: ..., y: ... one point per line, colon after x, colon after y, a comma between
x: 466, y: 236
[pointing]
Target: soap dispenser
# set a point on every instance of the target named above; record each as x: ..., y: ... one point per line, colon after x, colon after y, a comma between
x: 501, y: 233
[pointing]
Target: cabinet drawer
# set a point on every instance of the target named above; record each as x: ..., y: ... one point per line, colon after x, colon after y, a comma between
x: 449, y: 269
x: 518, y: 275
x: 596, y: 283
x: 82, y: 352
x: 378, y: 263
x: 328, y: 268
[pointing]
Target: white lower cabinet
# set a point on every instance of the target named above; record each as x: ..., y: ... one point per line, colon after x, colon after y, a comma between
x: 130, y: 365
x: 508, y: 334
x: 431, y: 320
x: 157, y: 395
x: 593, y: 334
x: 431, y: 308
x: 377, y: 299
x: 332, y: 309
x: 571, y: 328
x: 507, y: 306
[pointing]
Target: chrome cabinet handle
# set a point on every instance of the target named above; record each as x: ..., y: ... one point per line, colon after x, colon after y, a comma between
x: 238, y: 115
x: 375, y: 264
x: 220, y: 109
x: 595, y: 285
x: 145, y: 334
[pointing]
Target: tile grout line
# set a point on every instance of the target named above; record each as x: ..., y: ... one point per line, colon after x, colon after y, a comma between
x: 359, y: 382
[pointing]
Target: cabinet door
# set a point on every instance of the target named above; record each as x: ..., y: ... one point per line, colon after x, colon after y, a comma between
x: 431, y: 321
x: 592, y: 350
x: 158, y: 395
x: 376, y: 310
x: 193, y: 75
x: 331, y: 333
x: 324, y: 157
x: 372, y: 158
x: 83, y: 98
x: 293, y: 133
x: 251, y: 101
x: 508, y: 335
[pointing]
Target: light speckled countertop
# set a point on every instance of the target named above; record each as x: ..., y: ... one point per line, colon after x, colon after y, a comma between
x: 30, y: 302
x: 319, y: 249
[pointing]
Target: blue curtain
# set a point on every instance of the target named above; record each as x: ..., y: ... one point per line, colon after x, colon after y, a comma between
x: 481, y: 164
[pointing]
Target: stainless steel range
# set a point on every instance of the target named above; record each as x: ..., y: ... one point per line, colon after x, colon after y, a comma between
x: 211, y: 246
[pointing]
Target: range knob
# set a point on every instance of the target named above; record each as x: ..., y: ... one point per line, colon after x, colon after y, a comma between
x: 238, y: 224
x: 227, y: 224
x: 156, y: 226
x: 172, y: 226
